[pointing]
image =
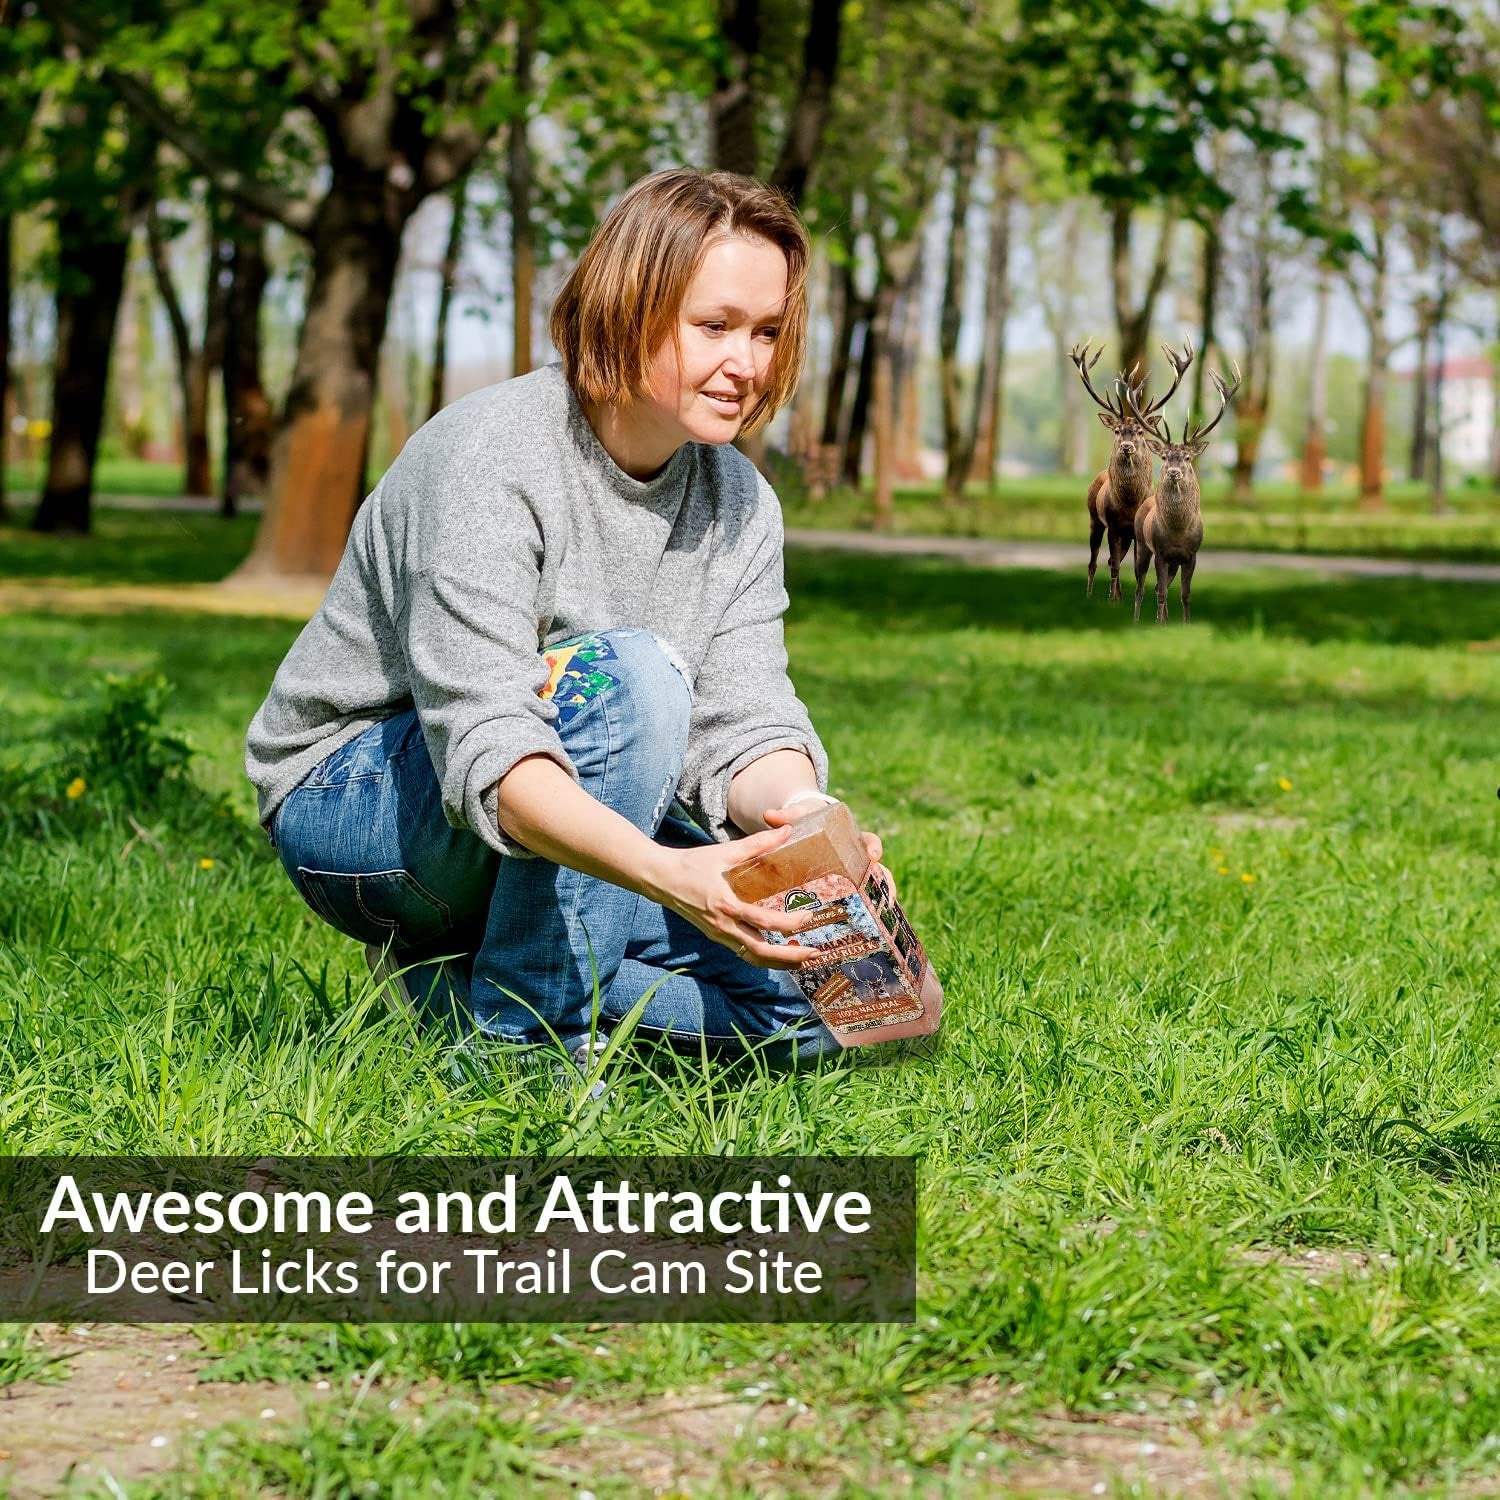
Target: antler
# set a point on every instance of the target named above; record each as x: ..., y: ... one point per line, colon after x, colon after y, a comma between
x: 1179, y: 364
x: 1226, y: 395
x: 1148, y: 419
x: 1079, y: 354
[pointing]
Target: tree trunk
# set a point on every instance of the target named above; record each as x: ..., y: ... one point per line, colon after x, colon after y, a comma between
x: 5, y: 401
x: 859, y: 411
x: 519, y: 182
x: 1439, y: 490
x: 1213, y: 259
x: 1249, y: 429
x: 248, y: 417
x: 1254, y: 404
x: 198, y: 476
x: 452, y: 254
x: 1416, y: 466
x: 1372, y: 422
x: 1495, y: 410
x: 318, y: 454
x: 1315, y: 442
x: 1133, y: 320
x: 847, y: 318
x: 731, y: 109
x: 957, y: 456
x: 908, y: 455
x: 985, y: 424
x: 1060, y: 316
x: 91, y: 278
x: 193, y: 368
x: 897, y: 277
x: 804, y: 132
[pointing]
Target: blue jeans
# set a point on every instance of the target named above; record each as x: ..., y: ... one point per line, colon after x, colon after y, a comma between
x: 366, y: 843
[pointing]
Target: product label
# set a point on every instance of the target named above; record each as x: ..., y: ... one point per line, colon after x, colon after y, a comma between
x: 870, y: 965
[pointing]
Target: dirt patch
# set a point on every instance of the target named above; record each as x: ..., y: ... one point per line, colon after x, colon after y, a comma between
x: 1236, y: 822
x: 295, y: 601
x: 979, y: 1437
x: 129, y: 1404
x: 1315, y: 1263
x: 133, y: 1405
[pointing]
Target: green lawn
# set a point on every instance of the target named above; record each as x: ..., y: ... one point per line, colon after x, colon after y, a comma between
x: 1050, y: 507
x: 1282, y: 519
x: 1214, y: 911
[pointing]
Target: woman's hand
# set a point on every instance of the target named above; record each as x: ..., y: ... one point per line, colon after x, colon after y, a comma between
x: 782, y: 817
x: 691, y: 883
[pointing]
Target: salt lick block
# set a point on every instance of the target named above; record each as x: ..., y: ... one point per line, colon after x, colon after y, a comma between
x: 871, y: 981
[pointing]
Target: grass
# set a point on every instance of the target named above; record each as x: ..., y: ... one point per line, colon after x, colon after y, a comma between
x: 1045, y: 507
x: 1212, y: 908
x: 1282, y: 520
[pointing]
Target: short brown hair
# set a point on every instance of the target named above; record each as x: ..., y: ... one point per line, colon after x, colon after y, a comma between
x: 622, y: 298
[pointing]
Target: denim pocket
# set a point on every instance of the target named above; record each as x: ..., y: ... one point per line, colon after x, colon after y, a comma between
x: 374, y: 908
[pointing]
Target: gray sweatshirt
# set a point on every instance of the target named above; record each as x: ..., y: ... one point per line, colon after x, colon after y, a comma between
x: 503, y: 526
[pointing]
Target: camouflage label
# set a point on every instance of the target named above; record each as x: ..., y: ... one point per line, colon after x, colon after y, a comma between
x: 869, y: 968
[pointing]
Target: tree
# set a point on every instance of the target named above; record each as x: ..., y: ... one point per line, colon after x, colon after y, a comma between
x: 958, y: 445
x: 100, y: 164
x: 248, y: 419
x: 751, y: 59
x: 519, y: 182
x: 1132, y: 89
x: 989, y: 379
x: 196, y: 364
x: 448, y: 278
x: 401, y: 101
x: 22, y: 44
x: 1256, y: 252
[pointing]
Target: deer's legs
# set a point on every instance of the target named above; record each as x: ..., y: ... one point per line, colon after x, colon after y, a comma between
x: 1163, y: 582
x: 1096, y: 535
x: 1187, y: 589
x: 1119, y: 545
x: 1142, y: 567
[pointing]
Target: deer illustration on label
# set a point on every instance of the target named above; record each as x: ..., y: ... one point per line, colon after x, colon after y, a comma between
x: 871, y: 981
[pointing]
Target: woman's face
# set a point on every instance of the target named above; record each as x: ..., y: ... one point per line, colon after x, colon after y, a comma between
x: 726, y: 328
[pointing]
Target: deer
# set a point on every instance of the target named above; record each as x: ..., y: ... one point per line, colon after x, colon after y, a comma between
x: 1169, y: 523
x: 1117, y: 491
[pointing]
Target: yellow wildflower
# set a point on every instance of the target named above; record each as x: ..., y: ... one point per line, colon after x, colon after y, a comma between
x: 1247, y: 877
x: 1223, y: 869
x: 76, y: 788
x: 1284, y: 784
x: 205, y: 864
x: 1216, y: 854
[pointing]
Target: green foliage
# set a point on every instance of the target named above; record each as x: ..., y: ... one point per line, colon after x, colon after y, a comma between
x: 1159, y: 1086
x: 110, y: 753
x: 119, y: 742
x: 1130, y: 91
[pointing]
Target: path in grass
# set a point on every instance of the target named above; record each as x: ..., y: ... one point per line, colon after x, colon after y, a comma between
x: 1214, y: 913
x: 1061, y: 557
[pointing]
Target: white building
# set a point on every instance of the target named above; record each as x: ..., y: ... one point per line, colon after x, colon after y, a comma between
x: 1468, y: 413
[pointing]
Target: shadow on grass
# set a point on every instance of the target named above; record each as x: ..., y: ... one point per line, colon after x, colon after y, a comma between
x: 1443, y: 1153
x: 923, y: 595
x: 130, y: 547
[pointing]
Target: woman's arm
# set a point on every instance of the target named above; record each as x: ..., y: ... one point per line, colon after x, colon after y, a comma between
x: 770, y: 782
x: 543, y: 809
x: 779, y: 788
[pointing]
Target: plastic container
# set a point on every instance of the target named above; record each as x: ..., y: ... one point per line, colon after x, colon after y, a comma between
x: 872, y: 981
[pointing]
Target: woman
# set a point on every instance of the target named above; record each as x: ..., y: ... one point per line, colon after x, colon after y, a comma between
x: 555, y: 626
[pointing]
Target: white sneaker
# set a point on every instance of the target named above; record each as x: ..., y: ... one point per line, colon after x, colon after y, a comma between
x: 585, y: 1058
